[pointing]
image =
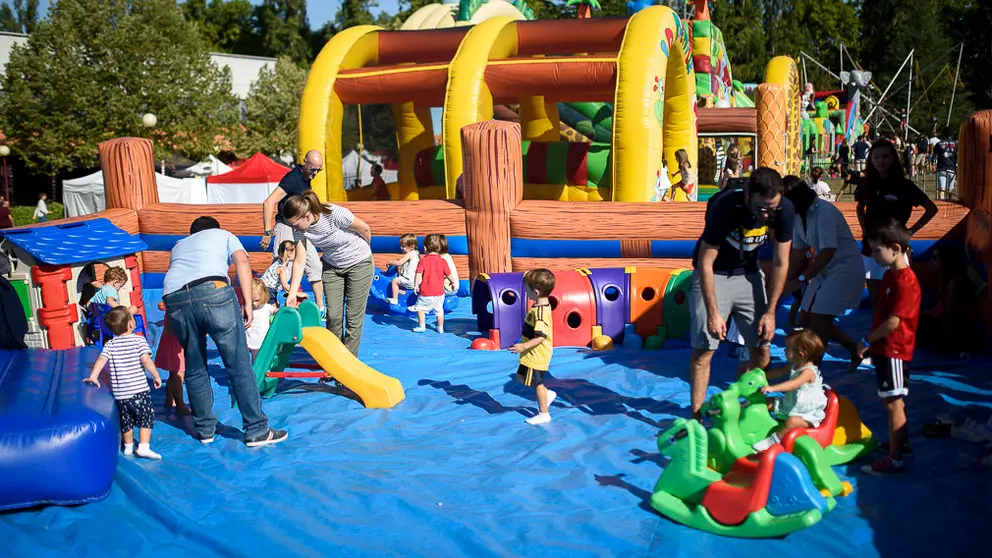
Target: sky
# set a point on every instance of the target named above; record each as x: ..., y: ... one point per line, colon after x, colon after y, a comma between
x: 319, y: 11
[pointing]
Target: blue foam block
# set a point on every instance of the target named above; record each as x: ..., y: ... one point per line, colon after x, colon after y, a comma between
x: 59, y: 438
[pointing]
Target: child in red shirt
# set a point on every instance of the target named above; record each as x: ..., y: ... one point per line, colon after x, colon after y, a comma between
x: 429, y: 283
x: 893, y: 336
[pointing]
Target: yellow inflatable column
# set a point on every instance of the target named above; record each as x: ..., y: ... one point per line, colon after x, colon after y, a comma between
x: 467, y: 99
x: 782, y: 71
x: 539, y: 119
x: 654, y: 113
x: 321, y: 110
x: 414, y: 132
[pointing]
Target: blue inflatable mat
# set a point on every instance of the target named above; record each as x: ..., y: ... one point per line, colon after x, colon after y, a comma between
x: 454, y: 471
x: 59, y: 438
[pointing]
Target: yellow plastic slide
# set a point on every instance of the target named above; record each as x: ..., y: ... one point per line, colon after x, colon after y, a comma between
x: 377, y: 390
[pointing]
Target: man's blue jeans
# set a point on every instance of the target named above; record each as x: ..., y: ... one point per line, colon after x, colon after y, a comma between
x: 211, y: 310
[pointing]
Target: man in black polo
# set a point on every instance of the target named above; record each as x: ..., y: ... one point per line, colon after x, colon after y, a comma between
x: 295, y: 183
x: 726, y: 280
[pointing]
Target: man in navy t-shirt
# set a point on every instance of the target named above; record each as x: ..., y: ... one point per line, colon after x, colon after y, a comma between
x: 727, y: 282
x: 947, y: 164
x: 861, y: 149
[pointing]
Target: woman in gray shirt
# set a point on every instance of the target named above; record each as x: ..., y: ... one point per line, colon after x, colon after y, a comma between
x: 344, y: 241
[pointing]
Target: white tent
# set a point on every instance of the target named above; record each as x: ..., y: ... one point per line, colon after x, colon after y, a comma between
x: 350, y: 169
x: 86, y: 195
x: 211, y: 167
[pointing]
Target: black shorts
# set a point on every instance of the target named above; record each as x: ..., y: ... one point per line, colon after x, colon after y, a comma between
x: 530, y: 377
x: 892, y: 375
x: 136, y: 411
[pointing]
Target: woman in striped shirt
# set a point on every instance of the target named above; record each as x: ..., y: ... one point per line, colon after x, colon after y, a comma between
x: 344, y: 241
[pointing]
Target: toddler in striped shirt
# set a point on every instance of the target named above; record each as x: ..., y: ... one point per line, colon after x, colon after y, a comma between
x: 127, y: 354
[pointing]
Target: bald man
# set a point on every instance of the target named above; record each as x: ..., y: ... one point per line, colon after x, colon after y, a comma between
x: 296, y: 182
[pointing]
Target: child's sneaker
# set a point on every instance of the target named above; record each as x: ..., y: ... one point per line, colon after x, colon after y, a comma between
x: 539, y: 418
x: 440, y: 329
x: 323, y: 313
x: 419, y: 329
x: 884, y: 466
x: 145, y: 450
x: 393, y: 301
x: 883, y: 447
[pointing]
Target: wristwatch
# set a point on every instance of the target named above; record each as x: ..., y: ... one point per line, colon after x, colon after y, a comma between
x: 802, y: 278
x: 269, y: 232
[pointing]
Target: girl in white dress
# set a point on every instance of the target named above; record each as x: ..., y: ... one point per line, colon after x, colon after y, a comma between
x: 805, y: 401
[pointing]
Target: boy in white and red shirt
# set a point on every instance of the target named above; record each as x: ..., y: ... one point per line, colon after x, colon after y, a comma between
x: 893, y: 336
x: 429, y: 283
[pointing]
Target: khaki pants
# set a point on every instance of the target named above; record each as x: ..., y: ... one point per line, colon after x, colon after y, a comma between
x: 346, y: 292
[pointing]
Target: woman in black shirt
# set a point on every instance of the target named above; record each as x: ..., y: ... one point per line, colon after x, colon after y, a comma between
x: 887, y: 194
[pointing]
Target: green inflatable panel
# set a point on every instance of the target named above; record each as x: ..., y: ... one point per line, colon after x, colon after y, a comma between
x: 675, y: 305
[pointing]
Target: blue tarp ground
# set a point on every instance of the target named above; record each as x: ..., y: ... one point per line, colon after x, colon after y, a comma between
x: 454, y: 471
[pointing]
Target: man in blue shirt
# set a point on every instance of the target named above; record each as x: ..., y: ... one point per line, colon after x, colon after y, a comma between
x: 727, y: 281
x: 861, y: 149
x: 945, y: 154
x: 200, y: 301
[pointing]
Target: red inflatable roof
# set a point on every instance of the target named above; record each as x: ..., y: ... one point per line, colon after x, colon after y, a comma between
x: 259, y: 168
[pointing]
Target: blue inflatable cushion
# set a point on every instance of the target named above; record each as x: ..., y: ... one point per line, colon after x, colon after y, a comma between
x: 59, y: 438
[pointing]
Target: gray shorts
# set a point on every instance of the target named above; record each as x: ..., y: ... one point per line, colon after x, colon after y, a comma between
x: 427, y: 303
x: 741, y: 298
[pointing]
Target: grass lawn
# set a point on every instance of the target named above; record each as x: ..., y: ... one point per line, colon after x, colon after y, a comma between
x: 22, y: 214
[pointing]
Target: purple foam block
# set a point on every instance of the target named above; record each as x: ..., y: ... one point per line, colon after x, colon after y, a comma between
x: 611, y: 287
x: 499, y: 303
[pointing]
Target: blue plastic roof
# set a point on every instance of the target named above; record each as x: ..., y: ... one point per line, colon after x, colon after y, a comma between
x: 78, y: 242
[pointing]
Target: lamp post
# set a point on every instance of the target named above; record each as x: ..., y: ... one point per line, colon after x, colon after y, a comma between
x: 4, y: 151
x: 149, y: 120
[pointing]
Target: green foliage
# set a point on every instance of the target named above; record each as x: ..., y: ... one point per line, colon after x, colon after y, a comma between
x: 971, y: 23
x: 228, y: 26
x: 24, y: 214
x: 284, y: 29
x: 273, y: 109
x: 19, y: 16
x: 744, y: 36
x: 89, y: 72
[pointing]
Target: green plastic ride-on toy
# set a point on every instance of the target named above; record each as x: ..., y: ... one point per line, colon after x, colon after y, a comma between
x: 769, y: 494
x: 741, y: 418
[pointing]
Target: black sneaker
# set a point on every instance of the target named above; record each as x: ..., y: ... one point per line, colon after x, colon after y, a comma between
x: 271, y: 437
x: 883, y: 447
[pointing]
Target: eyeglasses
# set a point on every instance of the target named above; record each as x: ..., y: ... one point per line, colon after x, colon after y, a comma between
x: 313, y: 171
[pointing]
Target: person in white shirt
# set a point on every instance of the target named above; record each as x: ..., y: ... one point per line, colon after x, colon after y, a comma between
x: 821, y: 188
x: 41, y: 212
x: 261, y: 317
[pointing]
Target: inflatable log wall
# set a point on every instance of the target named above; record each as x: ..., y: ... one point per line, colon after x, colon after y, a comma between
x: 975, y: 184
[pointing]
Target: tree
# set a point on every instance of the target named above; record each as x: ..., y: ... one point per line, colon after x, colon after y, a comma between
x: 228, y: 26
x: 20, y: 16
x: 273, y: 110
x: 744, y: 37
x: 89, y: 73
x: 284, y: 29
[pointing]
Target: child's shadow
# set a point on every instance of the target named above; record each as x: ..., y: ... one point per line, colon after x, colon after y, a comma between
x: 617, y: 480
x: 465, y: 395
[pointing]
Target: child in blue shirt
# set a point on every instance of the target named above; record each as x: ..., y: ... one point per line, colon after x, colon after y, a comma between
x: 114, y: 280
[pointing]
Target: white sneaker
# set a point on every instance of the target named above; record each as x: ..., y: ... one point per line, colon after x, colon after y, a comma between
x: 762, y: 445
x: 440, y: 329
x: 129, y: 449
x: 393, y: 301
x: 552, y: 395
x: 539, y: 418
x: 419, y: 329
x: 147, y: 453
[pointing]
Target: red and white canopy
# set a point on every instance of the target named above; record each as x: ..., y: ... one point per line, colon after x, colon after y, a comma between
x: 250, y: 182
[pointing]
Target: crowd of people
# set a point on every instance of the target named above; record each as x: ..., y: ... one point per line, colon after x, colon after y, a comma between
x: 815, y: 256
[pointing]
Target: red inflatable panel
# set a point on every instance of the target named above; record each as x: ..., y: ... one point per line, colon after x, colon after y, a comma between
x: 573, y: 309
x: 743, y: 490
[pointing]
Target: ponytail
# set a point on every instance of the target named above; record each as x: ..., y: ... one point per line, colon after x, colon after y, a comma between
x: 308, y: 202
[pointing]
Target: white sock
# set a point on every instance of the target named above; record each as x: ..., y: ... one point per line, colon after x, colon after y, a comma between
x: 145, y: 450
x: 552, y: 395
x: 440, y: 329
x: 129, y: 449
x: 762, y: 445
x: 539, y: 418
x: 419, y: 329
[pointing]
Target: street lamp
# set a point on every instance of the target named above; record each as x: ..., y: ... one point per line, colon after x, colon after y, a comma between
x: 4, y: 151
x: 149, y: 120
